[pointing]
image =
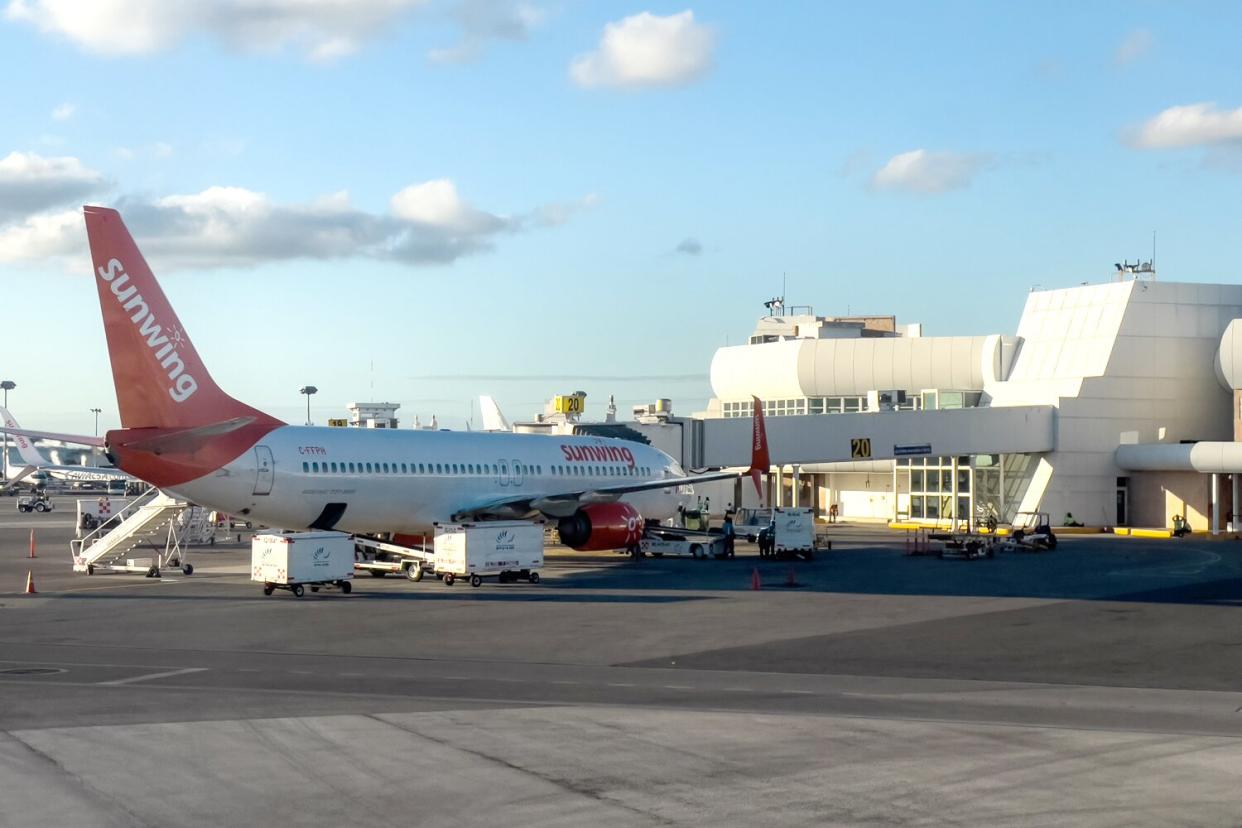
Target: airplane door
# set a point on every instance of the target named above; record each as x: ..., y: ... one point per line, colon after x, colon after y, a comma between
x: 265, y: 470
x: 517, y: 473
x: 502, y: 476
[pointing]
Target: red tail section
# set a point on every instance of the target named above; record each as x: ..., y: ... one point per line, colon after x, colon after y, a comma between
x: 160, y: 380
x: 178, y: 424
x: 760, y: 462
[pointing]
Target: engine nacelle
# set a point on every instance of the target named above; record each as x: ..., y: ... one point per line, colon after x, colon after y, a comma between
x: 601, y: 526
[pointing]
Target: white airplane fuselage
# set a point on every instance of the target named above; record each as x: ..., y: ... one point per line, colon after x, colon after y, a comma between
x: 407, y: 481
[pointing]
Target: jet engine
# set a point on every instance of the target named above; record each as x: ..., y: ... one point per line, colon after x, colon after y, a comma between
x: 601, y: 526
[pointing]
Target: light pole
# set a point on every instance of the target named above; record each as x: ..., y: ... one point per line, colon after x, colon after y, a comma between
x: 7, y: 385
x: 308, y: 390
x: 96, y: 411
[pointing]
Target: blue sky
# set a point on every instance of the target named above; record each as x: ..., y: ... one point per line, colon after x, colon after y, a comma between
x: 495, y: 192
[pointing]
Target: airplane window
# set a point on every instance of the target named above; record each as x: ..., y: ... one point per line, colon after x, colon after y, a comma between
x: 334, y: 468
x: 454, y: 468
x: 368, y: 468
x: 420, y: 469
x: 538, y: 468
x: 403, y: 471
x: 306, y: 467
x: 315, y: 468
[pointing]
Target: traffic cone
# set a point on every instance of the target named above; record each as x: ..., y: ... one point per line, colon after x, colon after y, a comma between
x: 754, y: 579
x: 32, y: 544
x: 30, y: 590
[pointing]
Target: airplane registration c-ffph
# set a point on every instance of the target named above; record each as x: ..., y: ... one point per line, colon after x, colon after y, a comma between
x: 182, y: 433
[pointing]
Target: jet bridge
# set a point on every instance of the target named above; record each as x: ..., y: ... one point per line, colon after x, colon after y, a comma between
x: 882, y: 435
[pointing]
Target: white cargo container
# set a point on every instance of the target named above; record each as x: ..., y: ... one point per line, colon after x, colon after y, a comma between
x: 794, y: 532
x: 292, y: 561
x: 508, y: 549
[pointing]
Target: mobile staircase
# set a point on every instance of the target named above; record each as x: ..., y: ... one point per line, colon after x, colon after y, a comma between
x: 155, y: 521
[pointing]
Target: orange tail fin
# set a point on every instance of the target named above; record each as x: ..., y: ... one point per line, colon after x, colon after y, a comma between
x: 160, y: 380
x: 760, y: 462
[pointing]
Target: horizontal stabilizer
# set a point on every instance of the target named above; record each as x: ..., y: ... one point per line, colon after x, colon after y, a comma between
x: 76, y: 439
x: 186, y: 439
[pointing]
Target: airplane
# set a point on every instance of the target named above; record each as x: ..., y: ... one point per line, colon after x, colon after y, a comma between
x: 182, y: 433
x: 493, y: 419
x: 38, y: 470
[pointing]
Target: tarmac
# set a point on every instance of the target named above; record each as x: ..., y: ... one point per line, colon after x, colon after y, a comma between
x: 1097, y: 684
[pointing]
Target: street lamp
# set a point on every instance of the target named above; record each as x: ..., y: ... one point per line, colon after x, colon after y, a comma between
x: 308, y: 390
x: 96, y: 411
x: 7, y: 385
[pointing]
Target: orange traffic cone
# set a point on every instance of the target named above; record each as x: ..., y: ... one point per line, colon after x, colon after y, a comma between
x: 754, y: 579
x: 30, y: 590
x: 32, y: 544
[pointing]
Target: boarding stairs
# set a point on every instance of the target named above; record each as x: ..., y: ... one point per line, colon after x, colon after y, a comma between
x: 155, y: 522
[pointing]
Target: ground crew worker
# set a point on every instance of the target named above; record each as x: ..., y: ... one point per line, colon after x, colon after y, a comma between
x: 730, y: 535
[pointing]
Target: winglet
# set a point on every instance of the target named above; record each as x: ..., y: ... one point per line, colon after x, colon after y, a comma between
x: 760, y: 462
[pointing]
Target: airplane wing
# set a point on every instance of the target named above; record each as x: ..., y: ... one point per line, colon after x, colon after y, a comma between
x: 564, y: 504
x: 76, y: 439
x: 13, y: 481
x: 28, y: 452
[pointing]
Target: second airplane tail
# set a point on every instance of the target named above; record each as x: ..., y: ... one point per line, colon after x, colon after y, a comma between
x: 160, y: 380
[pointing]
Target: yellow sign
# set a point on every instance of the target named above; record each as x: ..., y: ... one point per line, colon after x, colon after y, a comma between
x: 860, y: 448
x: 338, y: 423
x: 570, y: 403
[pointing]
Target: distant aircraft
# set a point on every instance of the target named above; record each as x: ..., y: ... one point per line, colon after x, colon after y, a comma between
x: 493, y: 419
x: 182, y: 433
x: 40, y: 470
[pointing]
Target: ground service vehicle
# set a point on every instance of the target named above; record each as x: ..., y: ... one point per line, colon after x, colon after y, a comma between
x: 510, y: 550
x: 297, y: 560
x: 1032, y: 532
x: 660, y: 542
x: 790, y: 532
x: 34, y: 503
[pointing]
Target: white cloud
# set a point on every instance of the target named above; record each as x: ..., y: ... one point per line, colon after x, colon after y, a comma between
x: 1197, y: 124
x: 647, y: 50
x: 483, y: 20
x: 64, y: 112
x: 322, y: 29
x: 436, y: 204
x: 30, y: 183
x: 428, y: 223
x: 921, y: 171
x: 44, y: 236
x: 157, y: 150
x: 1135, y: 45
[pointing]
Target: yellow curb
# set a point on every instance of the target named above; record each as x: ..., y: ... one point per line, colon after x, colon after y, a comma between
x: 1151, y: 533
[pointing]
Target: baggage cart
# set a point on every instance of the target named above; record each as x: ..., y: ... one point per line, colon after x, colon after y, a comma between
x: 298, y: 560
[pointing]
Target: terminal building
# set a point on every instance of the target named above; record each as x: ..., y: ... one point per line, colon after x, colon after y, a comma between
x: 1117, y: 403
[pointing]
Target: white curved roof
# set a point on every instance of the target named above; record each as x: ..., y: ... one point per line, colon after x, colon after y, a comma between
x: 851, y: 367
x: 1229, y: 356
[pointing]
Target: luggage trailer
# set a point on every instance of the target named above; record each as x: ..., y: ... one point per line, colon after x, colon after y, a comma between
x: 381, y: 558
